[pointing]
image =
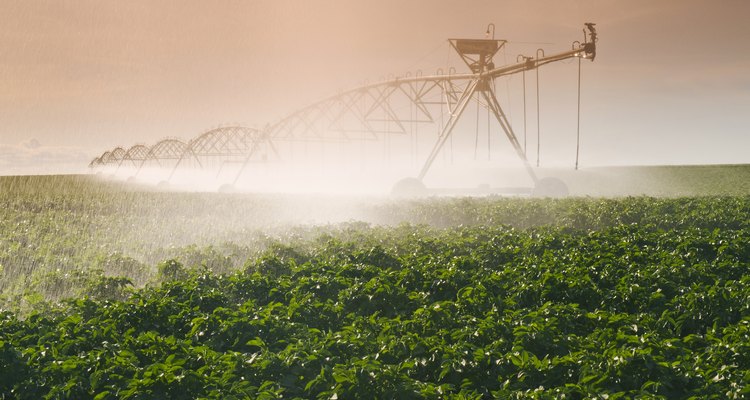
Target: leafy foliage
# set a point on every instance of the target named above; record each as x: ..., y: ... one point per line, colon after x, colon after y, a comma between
x: 415, y: 312
x: 494, y: 298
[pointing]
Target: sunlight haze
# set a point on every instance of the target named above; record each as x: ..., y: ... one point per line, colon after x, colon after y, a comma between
x: 669, y: 84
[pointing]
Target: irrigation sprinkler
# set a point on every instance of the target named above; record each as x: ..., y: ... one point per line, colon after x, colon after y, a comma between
x: 397, y: 107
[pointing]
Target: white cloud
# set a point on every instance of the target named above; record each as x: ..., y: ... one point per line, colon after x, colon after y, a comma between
x: 31, y: 144
x: 33, y: 158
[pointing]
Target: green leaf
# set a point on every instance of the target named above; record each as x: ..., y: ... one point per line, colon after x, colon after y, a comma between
x: 103, y: 395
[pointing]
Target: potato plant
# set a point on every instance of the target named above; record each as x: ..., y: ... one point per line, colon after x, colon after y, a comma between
x: 468, y: 298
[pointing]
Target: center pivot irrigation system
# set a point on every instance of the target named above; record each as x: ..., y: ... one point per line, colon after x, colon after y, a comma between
x: 399, y: 115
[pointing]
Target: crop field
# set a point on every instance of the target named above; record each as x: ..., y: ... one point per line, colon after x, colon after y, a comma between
x: 110, y: 291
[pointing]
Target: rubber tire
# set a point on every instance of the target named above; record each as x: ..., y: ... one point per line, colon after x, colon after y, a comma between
x: 550, y: 187
x: 227, y: 188
x: 409, y: 187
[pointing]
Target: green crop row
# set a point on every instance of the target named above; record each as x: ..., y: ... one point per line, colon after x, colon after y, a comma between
x: 60, y: 235
x: 115, y: 292
x: 414, y: 312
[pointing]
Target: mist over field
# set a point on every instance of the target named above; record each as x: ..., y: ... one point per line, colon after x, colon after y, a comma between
x: 400, y: 200
x: 91, y: 218
x: 104, y: 282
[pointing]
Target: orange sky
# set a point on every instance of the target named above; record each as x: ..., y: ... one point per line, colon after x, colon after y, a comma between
x: 670, y: 83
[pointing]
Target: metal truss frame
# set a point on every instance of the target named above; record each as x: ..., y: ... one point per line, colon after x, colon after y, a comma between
x: 136, y: 154
x: 370, y: 112
x: 374, y: 111
x: 229, y: 144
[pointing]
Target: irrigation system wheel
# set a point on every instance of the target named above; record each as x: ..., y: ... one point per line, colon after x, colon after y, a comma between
x: 409, y: 187
x: 550, y: 187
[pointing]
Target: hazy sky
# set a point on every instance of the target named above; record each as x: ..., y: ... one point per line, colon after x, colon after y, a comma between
x: 670, y: 85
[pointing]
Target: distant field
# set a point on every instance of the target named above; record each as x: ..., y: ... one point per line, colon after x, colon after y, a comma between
x: 109, y: 290
x: 661, y: 181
